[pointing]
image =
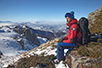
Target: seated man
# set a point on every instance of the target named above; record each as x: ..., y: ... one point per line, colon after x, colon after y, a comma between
x: 71, y: 39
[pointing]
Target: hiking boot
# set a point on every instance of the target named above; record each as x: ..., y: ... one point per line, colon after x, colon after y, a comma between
x: 56, y: 61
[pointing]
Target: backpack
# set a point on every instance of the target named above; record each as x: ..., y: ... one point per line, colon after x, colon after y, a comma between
x: 85, y: 33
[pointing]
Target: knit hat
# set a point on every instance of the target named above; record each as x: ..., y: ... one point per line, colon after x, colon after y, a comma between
x: 71, y: 15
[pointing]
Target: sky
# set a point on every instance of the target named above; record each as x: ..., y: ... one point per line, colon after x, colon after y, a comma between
x: 45, y: 10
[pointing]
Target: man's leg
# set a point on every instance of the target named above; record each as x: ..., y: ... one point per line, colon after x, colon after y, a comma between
x: 62, y: 38
x: 60, y: 49
x: 61, y: 53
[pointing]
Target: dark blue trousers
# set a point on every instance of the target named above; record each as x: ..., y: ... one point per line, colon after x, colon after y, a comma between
x: 60, y: 48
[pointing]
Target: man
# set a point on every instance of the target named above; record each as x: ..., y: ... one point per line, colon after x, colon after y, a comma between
x: 71, y: 39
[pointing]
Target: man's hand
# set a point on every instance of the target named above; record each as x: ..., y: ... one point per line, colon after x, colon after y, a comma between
x: 61, y: 40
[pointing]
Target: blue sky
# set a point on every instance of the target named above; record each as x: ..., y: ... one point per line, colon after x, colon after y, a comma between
x: 45, y: 10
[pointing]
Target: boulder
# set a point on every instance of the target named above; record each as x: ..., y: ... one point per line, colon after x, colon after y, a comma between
x: 76, y: 61
x: 95, y: 21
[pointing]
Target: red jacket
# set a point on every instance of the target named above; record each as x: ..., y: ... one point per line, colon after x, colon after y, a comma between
x: 72, y: 32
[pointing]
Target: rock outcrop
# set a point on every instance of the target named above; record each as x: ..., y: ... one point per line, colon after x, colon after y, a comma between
x: 74, y: 60
x: 95, y: 21
x: 92, y: 15
x: 30, y: 35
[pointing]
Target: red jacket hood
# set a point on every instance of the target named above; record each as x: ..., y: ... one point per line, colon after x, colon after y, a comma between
x: 73, y: 21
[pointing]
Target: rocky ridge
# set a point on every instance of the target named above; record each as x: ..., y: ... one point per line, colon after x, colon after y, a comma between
x: 95, y: 21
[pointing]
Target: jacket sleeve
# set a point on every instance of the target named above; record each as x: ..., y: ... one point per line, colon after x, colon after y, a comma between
x: 66, y: 37
x: 71, y: 37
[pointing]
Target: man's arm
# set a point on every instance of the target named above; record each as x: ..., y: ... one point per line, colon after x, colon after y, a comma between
x: 71, y: 38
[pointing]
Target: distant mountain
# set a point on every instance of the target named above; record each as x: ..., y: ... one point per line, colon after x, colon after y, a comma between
x: 5, y: 21
x: 41, y: 25
x: 38, y: 32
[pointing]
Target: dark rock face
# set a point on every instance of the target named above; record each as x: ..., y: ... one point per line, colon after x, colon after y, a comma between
x: 28, y: 33
x: 1, y: 54
x: 21, y: 43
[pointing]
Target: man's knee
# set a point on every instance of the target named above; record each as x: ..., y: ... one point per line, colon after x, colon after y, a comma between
x: 58, y: 45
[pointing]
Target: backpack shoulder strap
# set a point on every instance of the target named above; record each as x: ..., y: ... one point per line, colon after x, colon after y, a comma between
x: 78, y: 30
x: 78, y: 27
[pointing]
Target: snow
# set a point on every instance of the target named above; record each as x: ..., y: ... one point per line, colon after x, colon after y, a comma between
x: 46, y: 51
x: 32, y: 67
x: 52, y: 52
x: 49, y: 51
x: 8, y: 45
x: 9, y: 60
x: 61, y: 65
x: 42, y: 40
x: 5, y: 24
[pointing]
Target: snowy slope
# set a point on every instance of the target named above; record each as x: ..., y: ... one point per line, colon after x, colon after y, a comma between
x: 45, y: 49
x: 7, y: 44
x: 11, y: 49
